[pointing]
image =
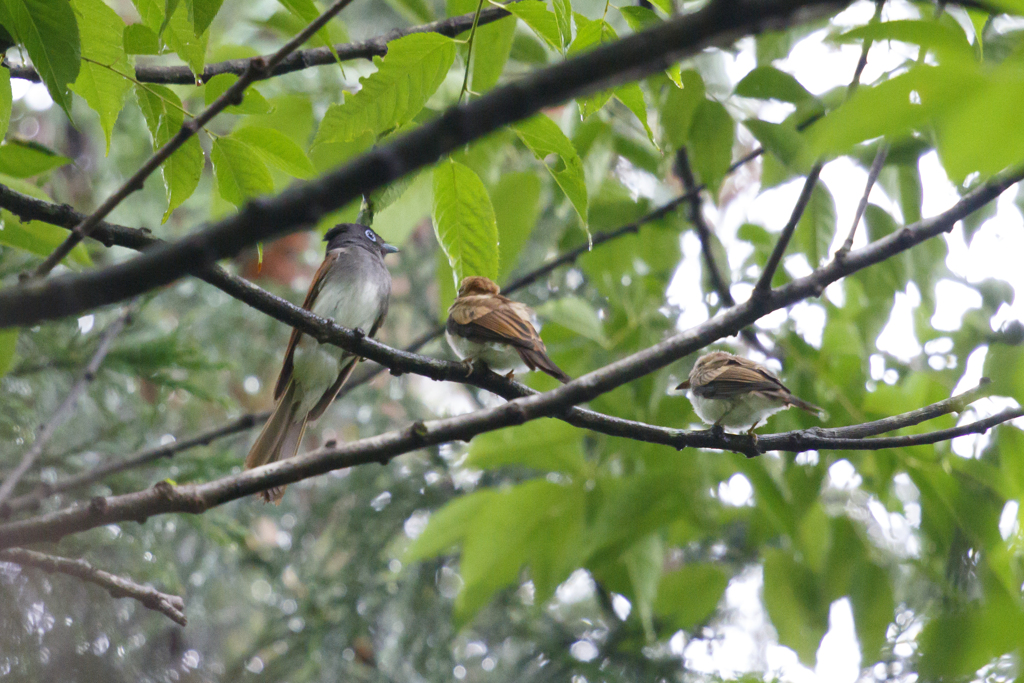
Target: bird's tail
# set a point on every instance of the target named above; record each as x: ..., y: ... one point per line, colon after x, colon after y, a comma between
x: 279, y: 439
x: 809, y: 407
x: 537, y: 359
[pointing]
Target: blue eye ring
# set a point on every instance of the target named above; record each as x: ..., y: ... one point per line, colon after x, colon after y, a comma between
x: 370, y: 235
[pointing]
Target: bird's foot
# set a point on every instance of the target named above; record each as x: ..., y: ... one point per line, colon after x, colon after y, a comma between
x: 511, y: 375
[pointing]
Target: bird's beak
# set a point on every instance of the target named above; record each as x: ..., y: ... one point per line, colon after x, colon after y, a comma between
x: 683, y: 386
x: 389, y: 248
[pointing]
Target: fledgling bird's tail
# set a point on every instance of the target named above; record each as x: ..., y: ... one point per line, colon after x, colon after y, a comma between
x: 279, y: 439
x: 537, y: 359
x: 809, y: 407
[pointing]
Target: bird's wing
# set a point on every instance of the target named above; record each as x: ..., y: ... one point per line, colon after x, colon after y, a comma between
x: 493, y: 318
x: 733, y: 379
x: 318, y: 282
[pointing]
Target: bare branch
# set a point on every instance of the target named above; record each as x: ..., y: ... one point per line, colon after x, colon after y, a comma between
x: 627, y: 59
x: 764, y: 284
x: 31, y: 501
x: 696, y: 214
x: 876, y: 168
x: 298, y: 60
x: 119, y: 587
x: 67, y: 406
x: 233, y: 95
x: 560, y: 402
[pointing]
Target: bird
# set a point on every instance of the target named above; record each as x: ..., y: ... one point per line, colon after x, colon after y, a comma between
x: 351, y: 287
x: 484, y: 325
x: 730, y: 391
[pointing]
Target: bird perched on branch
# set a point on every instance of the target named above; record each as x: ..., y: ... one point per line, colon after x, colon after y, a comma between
x: 484, y: 325
x: 351, y: 287
x: 729, y: 391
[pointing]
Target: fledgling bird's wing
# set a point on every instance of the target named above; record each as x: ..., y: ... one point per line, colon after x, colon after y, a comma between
x: 494, y: 318
x: 734, y: 376
x: 289, y: 356
x: 729, y: 378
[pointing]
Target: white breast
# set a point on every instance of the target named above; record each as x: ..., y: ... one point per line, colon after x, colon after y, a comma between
x: 737, y: 413
x: 499, y: 357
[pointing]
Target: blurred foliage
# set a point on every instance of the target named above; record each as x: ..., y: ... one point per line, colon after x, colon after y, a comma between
x: 539, y: 552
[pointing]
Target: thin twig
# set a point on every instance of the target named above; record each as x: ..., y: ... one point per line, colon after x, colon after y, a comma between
x: 30, y: 501
x: 298, y: 60
x: 864, y: 49
x: 876, y: 168
x: 172, y: 606
x: 704, y: 234
x: 233, y: 95
x: 67, y: 406
x: 764, y: 284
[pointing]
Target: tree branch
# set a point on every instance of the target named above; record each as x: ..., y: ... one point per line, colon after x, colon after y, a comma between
x: 67, y: 406
x: 298, y: 60
x: 876, y: 168
x: 764, y: 284
x: 119, y: 587
x: 233, y: 95
x: 696, y: 214
x: 627, y: 59
x: 165, y: 497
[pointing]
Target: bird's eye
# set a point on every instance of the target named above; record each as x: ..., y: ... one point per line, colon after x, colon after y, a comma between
x: 370, y: 236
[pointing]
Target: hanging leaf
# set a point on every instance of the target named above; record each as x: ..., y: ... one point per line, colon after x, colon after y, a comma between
x: 464, y: 221
x: 544, y: 137
x: 49, y: 31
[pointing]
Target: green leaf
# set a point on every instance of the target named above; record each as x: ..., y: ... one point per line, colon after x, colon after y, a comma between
x: 680, y: 105
x: 780, y: 139
x: 547, y: 445
x: 240, y: 172
x: 6, y: 100
x: 639, y: 18
x: 464, y: 221
x: 633, y: 97
x: 201, y: 14
x: 540, y: 19
x: 891, y: 109
x: 399, y: 218
x: 410, y: 73
x: 644, y: 561
x: 105, y: 76
x: 8, y: 343
x: 537, y: 522
x: 577, y: 315
x: 449, y: 525
x: 24, y: 159
x: 711, y: 136
x: 49, y: 31
x: 139, y: 39
x: 516, y: 201
x: 182, y: 170
x: 494, y: 44
x: 252, y: 102
x: 307, y: 11
x: 946, y: 39
x: 817, y: 226
x: 983, y: 134
x: 276, y: 149
x: 797, y: 609
x: 563, y: 17
x: 180, y: 36
x: 768, y: 83
x: 873, y: 607
x: 688, y: 596
x: 544, y: 137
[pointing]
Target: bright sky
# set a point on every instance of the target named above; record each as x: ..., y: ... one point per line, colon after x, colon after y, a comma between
x: 993, y: 252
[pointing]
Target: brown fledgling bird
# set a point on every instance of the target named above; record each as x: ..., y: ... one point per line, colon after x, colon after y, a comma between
x: 484, y: 325
x: 729, y: 391
x: 352, y: 287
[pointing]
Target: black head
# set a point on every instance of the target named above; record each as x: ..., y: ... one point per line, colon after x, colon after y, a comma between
x: 354, y: 234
